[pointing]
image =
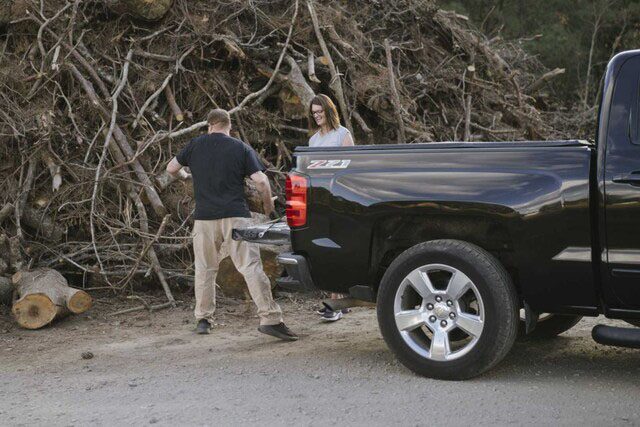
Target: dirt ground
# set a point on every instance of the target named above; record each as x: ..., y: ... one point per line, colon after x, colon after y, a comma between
x: 152, y: 369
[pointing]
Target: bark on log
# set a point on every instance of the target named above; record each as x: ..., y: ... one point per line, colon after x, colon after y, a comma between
x: 251, y: 193
x: 5, y: 13
x: 6, y: 291
x: 44, y: 295
x: 298, y: 84
x: 149, y: 10
x: 42, y: 224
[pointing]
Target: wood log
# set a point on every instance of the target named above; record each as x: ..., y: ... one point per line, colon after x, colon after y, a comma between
x: 43, y: 224
x: 44, y: 295
x: 251, y: 193
x: 5, y: 13
x: 6, y: 291
x: 148, y: 10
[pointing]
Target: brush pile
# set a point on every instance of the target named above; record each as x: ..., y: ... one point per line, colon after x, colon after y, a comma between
x: 97, y: 95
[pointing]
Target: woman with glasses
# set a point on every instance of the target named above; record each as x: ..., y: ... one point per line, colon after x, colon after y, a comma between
x: 324, y: 124
x: 326, y: 131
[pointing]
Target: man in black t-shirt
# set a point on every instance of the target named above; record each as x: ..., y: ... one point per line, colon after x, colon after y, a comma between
x: 219, y: 165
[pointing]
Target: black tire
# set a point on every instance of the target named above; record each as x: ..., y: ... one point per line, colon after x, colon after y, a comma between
x: 548, y: 327
x: 494, y: 285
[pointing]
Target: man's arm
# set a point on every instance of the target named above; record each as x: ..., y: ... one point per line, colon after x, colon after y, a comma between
x: 175, y: 169
x: 263, y: 186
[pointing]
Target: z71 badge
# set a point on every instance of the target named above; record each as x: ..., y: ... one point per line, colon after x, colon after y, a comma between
x: 329, y: 164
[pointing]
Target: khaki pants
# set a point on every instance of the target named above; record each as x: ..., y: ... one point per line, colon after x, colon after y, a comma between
x: 208, y: 238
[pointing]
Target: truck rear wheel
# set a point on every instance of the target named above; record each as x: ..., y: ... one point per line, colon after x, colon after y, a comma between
x: 448, y: 309
x: 548, y: 326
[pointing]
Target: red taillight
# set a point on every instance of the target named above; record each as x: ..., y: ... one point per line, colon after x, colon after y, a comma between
x: 296, y: 192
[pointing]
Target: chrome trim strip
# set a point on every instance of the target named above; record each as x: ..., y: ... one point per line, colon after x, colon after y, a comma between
x: 287, y: 260
x: 574, y: 253
x: 624, y: 256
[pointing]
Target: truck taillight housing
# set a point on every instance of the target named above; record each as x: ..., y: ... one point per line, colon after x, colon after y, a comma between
x: 296, y: 192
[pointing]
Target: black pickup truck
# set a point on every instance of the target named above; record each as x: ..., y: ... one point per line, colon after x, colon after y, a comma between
x: 464, y: 246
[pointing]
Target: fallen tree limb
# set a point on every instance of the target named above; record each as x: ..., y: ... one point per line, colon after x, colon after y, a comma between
x: 141, y: 174
x: 171, y: 100
x: 336, y: 82
x: 24, y: 194
x: 537, y: 85
x: 395, y: 97
x: 153, y: 258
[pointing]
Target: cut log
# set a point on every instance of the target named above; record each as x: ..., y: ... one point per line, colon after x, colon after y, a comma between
x: 44, y: 295
x: 149, y: 10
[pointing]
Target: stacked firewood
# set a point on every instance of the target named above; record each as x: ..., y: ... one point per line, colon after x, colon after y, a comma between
x: 98, y: 95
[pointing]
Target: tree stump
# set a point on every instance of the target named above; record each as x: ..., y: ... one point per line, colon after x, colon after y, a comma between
x: 44, y: 295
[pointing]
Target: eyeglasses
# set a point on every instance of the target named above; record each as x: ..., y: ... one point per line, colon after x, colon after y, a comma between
x: 317, y: 113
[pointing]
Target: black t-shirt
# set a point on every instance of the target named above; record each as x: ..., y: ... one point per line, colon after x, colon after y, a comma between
x: 219, y: 164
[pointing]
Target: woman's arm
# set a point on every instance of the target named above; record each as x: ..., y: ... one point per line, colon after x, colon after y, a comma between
x: 347, y: 140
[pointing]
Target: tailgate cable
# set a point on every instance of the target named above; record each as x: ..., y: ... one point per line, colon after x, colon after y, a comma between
x: 273, y: 222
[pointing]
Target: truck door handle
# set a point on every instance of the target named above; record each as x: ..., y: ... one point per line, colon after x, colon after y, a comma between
x: 632, y: 178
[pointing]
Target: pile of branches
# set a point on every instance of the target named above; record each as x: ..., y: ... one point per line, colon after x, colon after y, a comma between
x: 97, y: 96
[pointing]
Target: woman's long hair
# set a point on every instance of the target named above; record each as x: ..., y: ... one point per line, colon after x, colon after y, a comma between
x: 330, y: 113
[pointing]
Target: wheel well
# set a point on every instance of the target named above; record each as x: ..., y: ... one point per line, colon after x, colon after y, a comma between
x: 394, y: 235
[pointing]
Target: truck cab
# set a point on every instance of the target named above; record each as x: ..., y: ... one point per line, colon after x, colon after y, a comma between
x: 617, y: 193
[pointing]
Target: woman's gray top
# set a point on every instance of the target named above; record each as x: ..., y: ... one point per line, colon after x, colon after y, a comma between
x: 332, y: 138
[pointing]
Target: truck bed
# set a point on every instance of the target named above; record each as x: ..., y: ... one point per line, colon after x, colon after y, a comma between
x: 449, y: 144
x: 367, y: 203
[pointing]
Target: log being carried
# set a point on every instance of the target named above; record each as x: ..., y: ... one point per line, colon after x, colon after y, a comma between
x: 44, y: 295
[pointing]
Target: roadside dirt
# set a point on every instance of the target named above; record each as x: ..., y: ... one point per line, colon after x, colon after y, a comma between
x: 152, y: 369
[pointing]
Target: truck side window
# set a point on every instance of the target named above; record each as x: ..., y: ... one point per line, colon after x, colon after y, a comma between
x: 634, y: 118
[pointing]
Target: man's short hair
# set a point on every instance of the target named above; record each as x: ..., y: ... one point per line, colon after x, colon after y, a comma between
x: 219, y: 117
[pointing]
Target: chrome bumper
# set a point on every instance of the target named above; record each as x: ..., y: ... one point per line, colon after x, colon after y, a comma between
x: 298, y: 276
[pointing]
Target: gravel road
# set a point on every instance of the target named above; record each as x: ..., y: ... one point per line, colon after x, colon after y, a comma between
x: 152, y: 369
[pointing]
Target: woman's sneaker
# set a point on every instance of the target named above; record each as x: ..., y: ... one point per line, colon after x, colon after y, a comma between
x: 331, y: 316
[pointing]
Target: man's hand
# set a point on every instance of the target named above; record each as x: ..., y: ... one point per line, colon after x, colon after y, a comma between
x: 262, y: 184
x: 184, y: 175
x: 174, y: 167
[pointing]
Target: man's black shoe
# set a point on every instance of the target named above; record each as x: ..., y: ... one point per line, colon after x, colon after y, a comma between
x: 203, y: 327
x: 278, y: 331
